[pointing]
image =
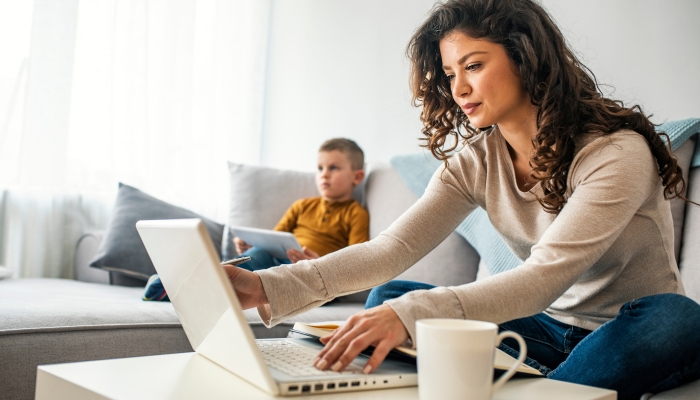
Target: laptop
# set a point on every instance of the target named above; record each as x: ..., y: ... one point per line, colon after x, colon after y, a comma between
x: 274, y: 242
x: 208, y: 308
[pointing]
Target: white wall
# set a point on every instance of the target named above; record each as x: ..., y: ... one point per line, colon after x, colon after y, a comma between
x: 337, y: 68
x: 648, y: 50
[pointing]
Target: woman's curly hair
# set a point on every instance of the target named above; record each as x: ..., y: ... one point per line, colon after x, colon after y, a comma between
x: 567, y: 96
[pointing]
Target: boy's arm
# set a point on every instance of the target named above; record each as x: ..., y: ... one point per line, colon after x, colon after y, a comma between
x: 359, y: 226
x: 289, y: 219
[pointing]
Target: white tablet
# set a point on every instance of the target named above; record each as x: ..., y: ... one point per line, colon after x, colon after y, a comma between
x: 275, y: 242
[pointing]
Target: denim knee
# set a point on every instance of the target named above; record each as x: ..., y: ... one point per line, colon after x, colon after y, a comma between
x: 378, y: 295
x: 392, y: 290
x: 671, y: 308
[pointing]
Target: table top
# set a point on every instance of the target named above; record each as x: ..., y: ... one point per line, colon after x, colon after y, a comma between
x: 190, y: 375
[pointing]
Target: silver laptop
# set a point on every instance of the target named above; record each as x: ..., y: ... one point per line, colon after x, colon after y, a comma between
x: 213, y: 320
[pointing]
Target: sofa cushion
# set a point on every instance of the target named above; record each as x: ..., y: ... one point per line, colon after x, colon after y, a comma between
x: 121, y: 251
x: 61, y: 305
x: 259, y: 196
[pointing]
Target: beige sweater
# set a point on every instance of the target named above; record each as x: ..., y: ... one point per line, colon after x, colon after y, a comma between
x: 611, y: 243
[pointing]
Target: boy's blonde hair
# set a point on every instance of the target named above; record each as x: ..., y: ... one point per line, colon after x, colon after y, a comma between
x: 348, y: 147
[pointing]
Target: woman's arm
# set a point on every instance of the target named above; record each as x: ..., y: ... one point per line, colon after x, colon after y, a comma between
x: 308, y: 284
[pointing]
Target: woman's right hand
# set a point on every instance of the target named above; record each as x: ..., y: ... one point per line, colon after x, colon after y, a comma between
x: 241, y: 246
x: 247, y: 285
x: 378, y: 326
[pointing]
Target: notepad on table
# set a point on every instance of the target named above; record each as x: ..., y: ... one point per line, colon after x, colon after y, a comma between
x: 501, y: 362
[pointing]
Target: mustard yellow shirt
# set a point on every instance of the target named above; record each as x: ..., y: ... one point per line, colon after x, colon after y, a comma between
x: 324, y: 226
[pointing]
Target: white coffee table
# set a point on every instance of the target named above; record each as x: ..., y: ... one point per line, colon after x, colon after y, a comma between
x: 191, y: 376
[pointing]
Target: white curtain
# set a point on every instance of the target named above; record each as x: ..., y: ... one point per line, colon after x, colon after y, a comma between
x: 157, y: 94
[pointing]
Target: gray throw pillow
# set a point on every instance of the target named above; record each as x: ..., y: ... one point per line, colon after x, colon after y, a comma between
x: 121, y: 252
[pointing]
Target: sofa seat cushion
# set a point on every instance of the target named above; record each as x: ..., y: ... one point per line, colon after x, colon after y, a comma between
x: 56, y: 305
x: 30, y: 305
x: 49, y: 321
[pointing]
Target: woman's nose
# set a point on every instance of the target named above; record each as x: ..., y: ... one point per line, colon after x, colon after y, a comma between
x: 460, y: 87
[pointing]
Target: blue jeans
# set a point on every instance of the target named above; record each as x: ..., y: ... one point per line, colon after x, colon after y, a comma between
x: 261, y: 259
x: 652, y: 345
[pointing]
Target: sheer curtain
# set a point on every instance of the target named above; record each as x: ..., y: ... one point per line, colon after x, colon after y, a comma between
x: 158, y: 94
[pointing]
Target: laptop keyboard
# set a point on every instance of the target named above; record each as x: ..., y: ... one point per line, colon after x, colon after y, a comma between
x: 296, y: 360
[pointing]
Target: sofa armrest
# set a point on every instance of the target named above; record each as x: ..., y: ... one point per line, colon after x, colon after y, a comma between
x: 84, y: 253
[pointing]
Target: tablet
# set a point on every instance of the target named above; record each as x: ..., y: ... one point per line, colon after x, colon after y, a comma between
x: 275, y: 242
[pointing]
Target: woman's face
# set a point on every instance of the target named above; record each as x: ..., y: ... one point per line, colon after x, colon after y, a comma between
x: 484, y: 81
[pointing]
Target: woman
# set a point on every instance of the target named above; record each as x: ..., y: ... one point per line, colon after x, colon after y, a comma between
x: 577, y: 185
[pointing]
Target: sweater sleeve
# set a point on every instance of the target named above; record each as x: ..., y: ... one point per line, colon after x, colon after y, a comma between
x: 359, y: 225
x: 610, y: 183
x: 292, y: 289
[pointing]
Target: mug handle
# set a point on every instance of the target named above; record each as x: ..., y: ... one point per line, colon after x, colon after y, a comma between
x: 511, y: 371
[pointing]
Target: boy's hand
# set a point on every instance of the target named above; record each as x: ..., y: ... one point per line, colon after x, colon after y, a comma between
x: 307, y: 254
x: 241, y: 246
x: 247, y: 285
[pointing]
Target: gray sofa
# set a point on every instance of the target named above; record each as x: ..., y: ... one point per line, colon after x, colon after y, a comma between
x: 47, y: 321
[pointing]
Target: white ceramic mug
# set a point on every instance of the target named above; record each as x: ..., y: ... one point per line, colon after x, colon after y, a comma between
x: 455, y: 358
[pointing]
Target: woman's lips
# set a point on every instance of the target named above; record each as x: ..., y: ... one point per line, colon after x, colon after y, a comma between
x: 470, y: 107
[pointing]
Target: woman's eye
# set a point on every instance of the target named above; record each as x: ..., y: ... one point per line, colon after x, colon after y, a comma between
x: 450, y: 78
x: 473, y: 67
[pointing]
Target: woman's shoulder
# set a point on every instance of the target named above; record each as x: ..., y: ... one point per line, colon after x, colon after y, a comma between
x: 624, y: 150
x: 623, y: 142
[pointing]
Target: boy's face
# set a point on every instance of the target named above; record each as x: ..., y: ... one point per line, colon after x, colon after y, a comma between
x: 335, y: 178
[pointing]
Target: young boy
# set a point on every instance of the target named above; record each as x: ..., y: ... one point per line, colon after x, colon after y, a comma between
x: 322, y: 224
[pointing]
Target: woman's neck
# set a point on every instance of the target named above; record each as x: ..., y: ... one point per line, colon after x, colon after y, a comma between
x: 519, y: 132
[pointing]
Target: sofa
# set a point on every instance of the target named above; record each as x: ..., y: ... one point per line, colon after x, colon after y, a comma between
x: 48, y: 321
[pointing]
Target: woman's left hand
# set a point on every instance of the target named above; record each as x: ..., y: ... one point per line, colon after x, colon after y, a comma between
x: 379, y: 327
